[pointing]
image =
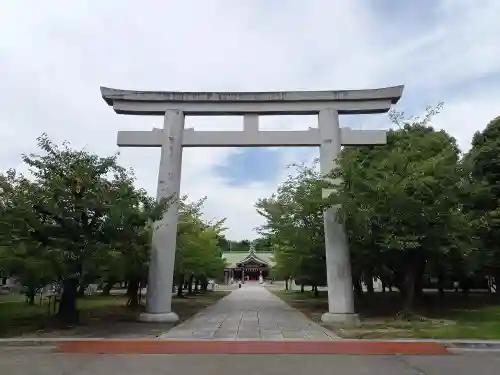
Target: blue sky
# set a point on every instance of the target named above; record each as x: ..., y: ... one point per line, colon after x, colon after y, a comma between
x: 404, y: 19
x: 251, y: 164
x: 55, y: 54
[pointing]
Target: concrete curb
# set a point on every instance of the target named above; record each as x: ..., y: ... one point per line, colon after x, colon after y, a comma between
x: 461, y: 344
x: 41, y: 341
x: 473, y: 345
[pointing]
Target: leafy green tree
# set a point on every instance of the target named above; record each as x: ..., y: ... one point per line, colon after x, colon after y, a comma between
x: 198, y: 255
x: 129, y: 228
x: 483, y: 165
x: 85, y: 206
x: 401, y: 203
x: 263, y: 244
x: 223, y: 243
x: 294, y: 218
x: 243, y: 245
x: 21, y: 255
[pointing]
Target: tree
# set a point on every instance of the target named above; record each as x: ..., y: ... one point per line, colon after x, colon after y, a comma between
x: 223, y: 243
x: 129, y: 228
x: 263, y: 244
x: 198, y: 255
x: 84, y: 205
x: 33, y: 263
x: 401, y: 202
x: 243, y: 245
x: 294, y: 218
x: 483, y: 165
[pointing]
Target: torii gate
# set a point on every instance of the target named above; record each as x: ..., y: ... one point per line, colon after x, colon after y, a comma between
x: 174, y: 106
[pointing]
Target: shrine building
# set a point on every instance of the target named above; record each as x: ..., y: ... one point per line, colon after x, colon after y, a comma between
x: 247, y: 265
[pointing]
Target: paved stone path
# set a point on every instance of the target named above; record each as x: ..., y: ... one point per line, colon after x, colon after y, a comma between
x: 249, y: 313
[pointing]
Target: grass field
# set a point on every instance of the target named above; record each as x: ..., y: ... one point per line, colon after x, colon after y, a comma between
x: 452, y: 317
x: 98, y: 314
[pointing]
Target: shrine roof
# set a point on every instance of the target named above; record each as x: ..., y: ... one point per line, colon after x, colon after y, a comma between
x: 232, y: 258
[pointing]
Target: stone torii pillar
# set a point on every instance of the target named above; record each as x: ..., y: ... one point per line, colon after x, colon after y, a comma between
x: 174, y: 106
x: 338, y: 270
x: 163, y: 244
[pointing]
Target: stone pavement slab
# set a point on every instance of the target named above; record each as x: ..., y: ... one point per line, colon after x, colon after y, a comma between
x: 250, y: 313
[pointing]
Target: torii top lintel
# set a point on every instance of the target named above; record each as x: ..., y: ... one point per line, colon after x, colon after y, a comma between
x: 235, y: 103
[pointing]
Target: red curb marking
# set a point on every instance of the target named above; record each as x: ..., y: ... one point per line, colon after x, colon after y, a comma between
x: 252, y: 347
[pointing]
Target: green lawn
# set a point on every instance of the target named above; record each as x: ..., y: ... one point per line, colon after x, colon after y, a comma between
x: 451, y: 317
x: 96, y: 312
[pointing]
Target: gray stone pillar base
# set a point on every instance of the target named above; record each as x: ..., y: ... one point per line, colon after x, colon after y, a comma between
x: 170, y: 317
x: 332, y: 318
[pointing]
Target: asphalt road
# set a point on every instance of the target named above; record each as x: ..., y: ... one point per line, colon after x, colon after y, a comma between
x: 42, y: 361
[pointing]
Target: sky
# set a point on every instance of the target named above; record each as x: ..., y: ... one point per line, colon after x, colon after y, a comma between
x: 54, y: 56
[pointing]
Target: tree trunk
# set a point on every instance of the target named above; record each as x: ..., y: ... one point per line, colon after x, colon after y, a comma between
x: 30, y: 294
x: 202, y: 281
x: 82, y: 282
x: 68, y: 312
x: 465, y: 284
x: 419, y: 285
x: 180, y: 285
x: 81, y: 290
x: 398, y: 279
x: 441, y: 291
x: 302, y: 288
x: 132, y: 292
x: 409, y: 290
x: 190, y: 284
x: 441, y: 286
x: 106, y: 291
x: 141, y: 287
x: 196, y: 284
x: 358, y: 288
x: 286, y: 283
x: 315, y: 291
x: 369, y: 284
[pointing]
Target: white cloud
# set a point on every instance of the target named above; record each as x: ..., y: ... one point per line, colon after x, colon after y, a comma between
x: 54, y: 55
x: 463, y: 116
